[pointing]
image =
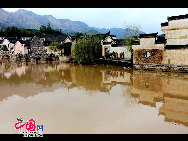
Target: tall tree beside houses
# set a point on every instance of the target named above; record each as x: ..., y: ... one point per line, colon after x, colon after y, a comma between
x: 55, y: 46
x: 4, y: 48
x: 87, y: 49
x: 49, y: 30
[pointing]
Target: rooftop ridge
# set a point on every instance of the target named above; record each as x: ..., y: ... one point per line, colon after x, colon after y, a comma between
x: 177, y: 17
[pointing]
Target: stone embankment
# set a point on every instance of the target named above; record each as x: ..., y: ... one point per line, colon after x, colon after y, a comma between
x: 162, y: 67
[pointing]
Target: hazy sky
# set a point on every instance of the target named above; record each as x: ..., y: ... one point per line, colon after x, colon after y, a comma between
x: 149, y: 19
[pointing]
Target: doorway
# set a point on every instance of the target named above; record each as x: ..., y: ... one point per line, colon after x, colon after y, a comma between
x: 67, y: 49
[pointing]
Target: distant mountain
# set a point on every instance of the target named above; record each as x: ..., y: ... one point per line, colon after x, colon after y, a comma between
x: 27, y: 19
x: 119, y: 32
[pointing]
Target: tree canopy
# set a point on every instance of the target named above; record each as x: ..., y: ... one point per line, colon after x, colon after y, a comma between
x: 87, y: 49
x: 13, y: 31
x: 55, y: 46
x: 49, y: 30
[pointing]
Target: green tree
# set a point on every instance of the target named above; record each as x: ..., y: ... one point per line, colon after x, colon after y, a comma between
x: 87, y: 49
x: 4, y: 48
x: 12, y: 31
x: 55, y: 46
x: 49, y: 30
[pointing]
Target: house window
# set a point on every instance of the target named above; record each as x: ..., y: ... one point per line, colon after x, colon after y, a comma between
x: 168, y: 61
x: 147, y: 54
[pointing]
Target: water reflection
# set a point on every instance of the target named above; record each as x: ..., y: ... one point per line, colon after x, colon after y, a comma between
x: 96, y: 78
x: 169, y: 88
x: 136, y: 87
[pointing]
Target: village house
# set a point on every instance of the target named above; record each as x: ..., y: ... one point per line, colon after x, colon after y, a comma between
x: 176, y: 33
x: 37, y: 46
x: 148, y: 50
x: 67, y: 43
x: 111, y: 44
x: 6, y: 46
x: 170, y: 54
x: 20, y: 48
x: 14, y: 45
x: 26, y: 42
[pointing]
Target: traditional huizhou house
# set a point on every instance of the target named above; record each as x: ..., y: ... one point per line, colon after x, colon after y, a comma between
x: 167, y: 54
x: 3, y: 47
x: 112, y: 44
x: 20, y: 48
x: 49, y: 38
x: 176, y: 33
x: 6, y: 46
x: 37, y: 46
x: 148, y: 50
x: 67, y: 43
x: 107, y: 42
x: 26, y: 42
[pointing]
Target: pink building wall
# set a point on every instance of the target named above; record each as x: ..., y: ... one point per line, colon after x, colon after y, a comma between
x: 19, y: 48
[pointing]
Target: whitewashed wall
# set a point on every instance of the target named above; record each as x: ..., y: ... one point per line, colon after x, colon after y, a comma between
x: 176, y: 32
x: 181, y: 23
x: 120, y: 49
x: 176, y: 57
x: 148, y: 43
x: 127, y: 54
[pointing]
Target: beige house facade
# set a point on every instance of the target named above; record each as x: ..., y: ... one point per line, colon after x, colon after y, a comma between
x: 171, y: 54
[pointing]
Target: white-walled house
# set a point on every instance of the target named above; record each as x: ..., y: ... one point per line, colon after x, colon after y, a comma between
x: 7, y: 43
x: 111, y: 44
x: 171, y: 55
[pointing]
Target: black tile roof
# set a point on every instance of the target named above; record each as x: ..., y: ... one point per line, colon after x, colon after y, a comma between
x: 174, y: 18
x: 135, y: 42
x: 52, y: 38
x: 158, y: 39
x: 164, y: 24
x: 177, y: 17
x: 103, y: 36
x: 27, y: 42
x: 151, y: 35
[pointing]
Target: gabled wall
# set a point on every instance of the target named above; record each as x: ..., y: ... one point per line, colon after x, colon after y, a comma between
x: 19, y: 48
x: 148, y: 52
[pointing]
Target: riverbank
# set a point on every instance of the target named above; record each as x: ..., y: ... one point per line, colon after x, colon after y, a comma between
x: 162, y: 67
x: 126, y: 63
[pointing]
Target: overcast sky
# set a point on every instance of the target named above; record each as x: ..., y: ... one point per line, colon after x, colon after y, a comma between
x: 149, y: 19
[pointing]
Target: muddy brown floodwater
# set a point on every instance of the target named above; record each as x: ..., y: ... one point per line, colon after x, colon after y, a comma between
x: 67, y: 98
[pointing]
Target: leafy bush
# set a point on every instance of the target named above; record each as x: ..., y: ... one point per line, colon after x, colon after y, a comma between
x: 87, y: 49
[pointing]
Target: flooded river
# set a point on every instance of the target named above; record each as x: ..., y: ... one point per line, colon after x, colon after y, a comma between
x: 68, y: 98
